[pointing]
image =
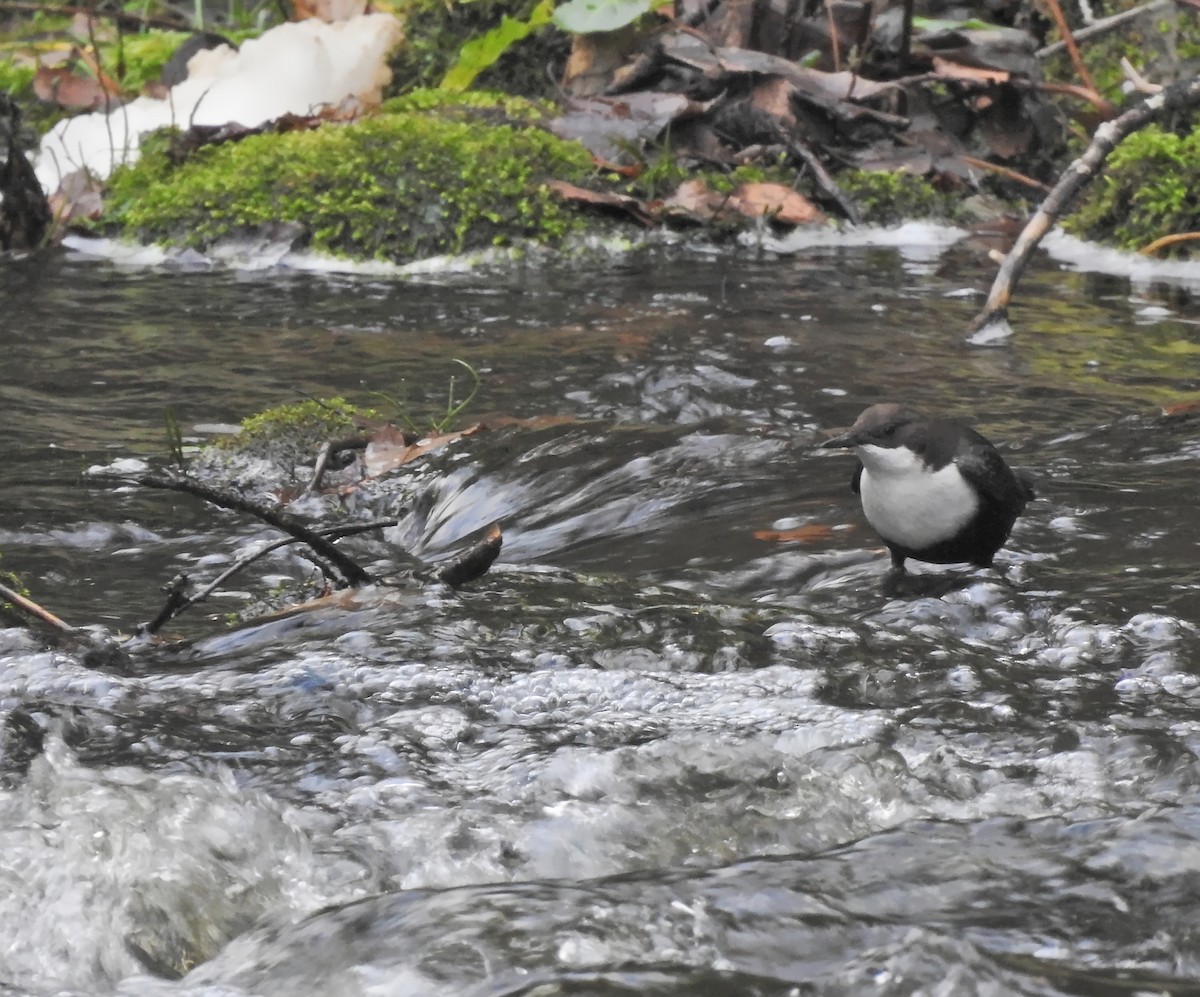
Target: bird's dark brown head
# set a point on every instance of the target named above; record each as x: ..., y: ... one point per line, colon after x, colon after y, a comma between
x: 878, y: 425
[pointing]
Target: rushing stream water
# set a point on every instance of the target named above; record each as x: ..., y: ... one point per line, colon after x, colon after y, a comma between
x: 651, y: 752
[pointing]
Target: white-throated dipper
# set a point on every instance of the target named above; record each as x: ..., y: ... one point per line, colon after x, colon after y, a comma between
x: 934, y: 490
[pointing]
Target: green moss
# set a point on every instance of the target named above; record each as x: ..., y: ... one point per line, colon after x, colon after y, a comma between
x: 143, y: 56
x: 1150, y: 188
x: 302, y: 426
x: 470, y: 103
x: 397, y: 187
x: 886, y: 198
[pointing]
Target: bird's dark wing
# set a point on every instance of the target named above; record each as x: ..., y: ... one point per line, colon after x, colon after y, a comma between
x: 856, y: 479
x: 982, y: 465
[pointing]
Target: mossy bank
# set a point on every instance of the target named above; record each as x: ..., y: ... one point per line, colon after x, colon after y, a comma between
x: 400, y: 186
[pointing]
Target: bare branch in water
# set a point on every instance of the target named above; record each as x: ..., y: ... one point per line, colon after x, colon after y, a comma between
x: 178, y: 603
x: 346, y: 570
x: 475, y: 561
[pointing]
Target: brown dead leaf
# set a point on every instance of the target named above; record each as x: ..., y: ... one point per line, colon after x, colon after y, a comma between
x: 693, y: 199
x: 65, y: 88
x: 596, y: 57
x: 773, y: 96
x: 631, y: 206
x: 390, y: 448
x: 78, y: 196
x: 777, y: 202
x: 1180, y: 409
x: 607, y: 127
x: 801, y: 534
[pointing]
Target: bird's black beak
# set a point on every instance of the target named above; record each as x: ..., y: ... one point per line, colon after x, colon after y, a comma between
x: 849, y: 439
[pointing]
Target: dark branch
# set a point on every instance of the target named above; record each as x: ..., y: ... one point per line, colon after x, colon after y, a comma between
x: 350, y: 573
x: 177, y: 604
x: 475, y: 561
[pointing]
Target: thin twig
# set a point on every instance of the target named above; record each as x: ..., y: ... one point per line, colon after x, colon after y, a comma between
x: 1139, y: 82
x: 176, y: 606
x: 822, y: 177
x: 1064, y: 31
x: 1103, y: 25
x: 992, y: 323
x: 1168, y: 240
x: 1097, y: 100
x: 27, y: 605
x: 1005, y: 172
x: 834, y: 39
x: 906, y: 36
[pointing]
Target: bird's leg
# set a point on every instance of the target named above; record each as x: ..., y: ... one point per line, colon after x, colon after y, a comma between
x: 897, y: 563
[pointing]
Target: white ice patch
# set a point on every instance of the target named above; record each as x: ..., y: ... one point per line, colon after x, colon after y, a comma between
x: 917, y: 242
x: 295, y: 68
x: 1090, y: 257
x: 907, y: 503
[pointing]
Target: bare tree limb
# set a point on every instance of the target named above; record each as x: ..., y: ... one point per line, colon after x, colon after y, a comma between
x: 991, y: 325
x: 27, y: 605
x: 348, y: 571
x: 177, y: 603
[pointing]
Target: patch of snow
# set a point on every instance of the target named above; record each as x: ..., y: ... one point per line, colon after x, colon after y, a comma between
x: 1141, y: 270
x: 917, y: 241
x: 295, y: 68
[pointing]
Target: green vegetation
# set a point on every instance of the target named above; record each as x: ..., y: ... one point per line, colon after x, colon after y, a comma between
x: 886, y: 198
x: 470, y: 104
x: 1159, y: 44
x: 397, y: 187
x: 502, y: 42
x: 484, y: 51
x: 1150, y: 188
x: 306, y: 424
x: 444, y: 422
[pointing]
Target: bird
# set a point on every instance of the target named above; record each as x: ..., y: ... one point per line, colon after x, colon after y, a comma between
x: 933, y: 489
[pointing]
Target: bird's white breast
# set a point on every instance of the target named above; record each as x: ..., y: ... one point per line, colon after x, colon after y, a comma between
x: 907, y: 503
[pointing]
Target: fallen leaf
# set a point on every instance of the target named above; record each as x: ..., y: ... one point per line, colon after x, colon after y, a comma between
x: 693, y: 199
x: 777, y: 202
x: 608, y: 126
x: 65, y: 88
x: 1179, y: 409
x: 618, y: 202
x: 391, y: 448
x: 801, y: 534
x: 78, y: 196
